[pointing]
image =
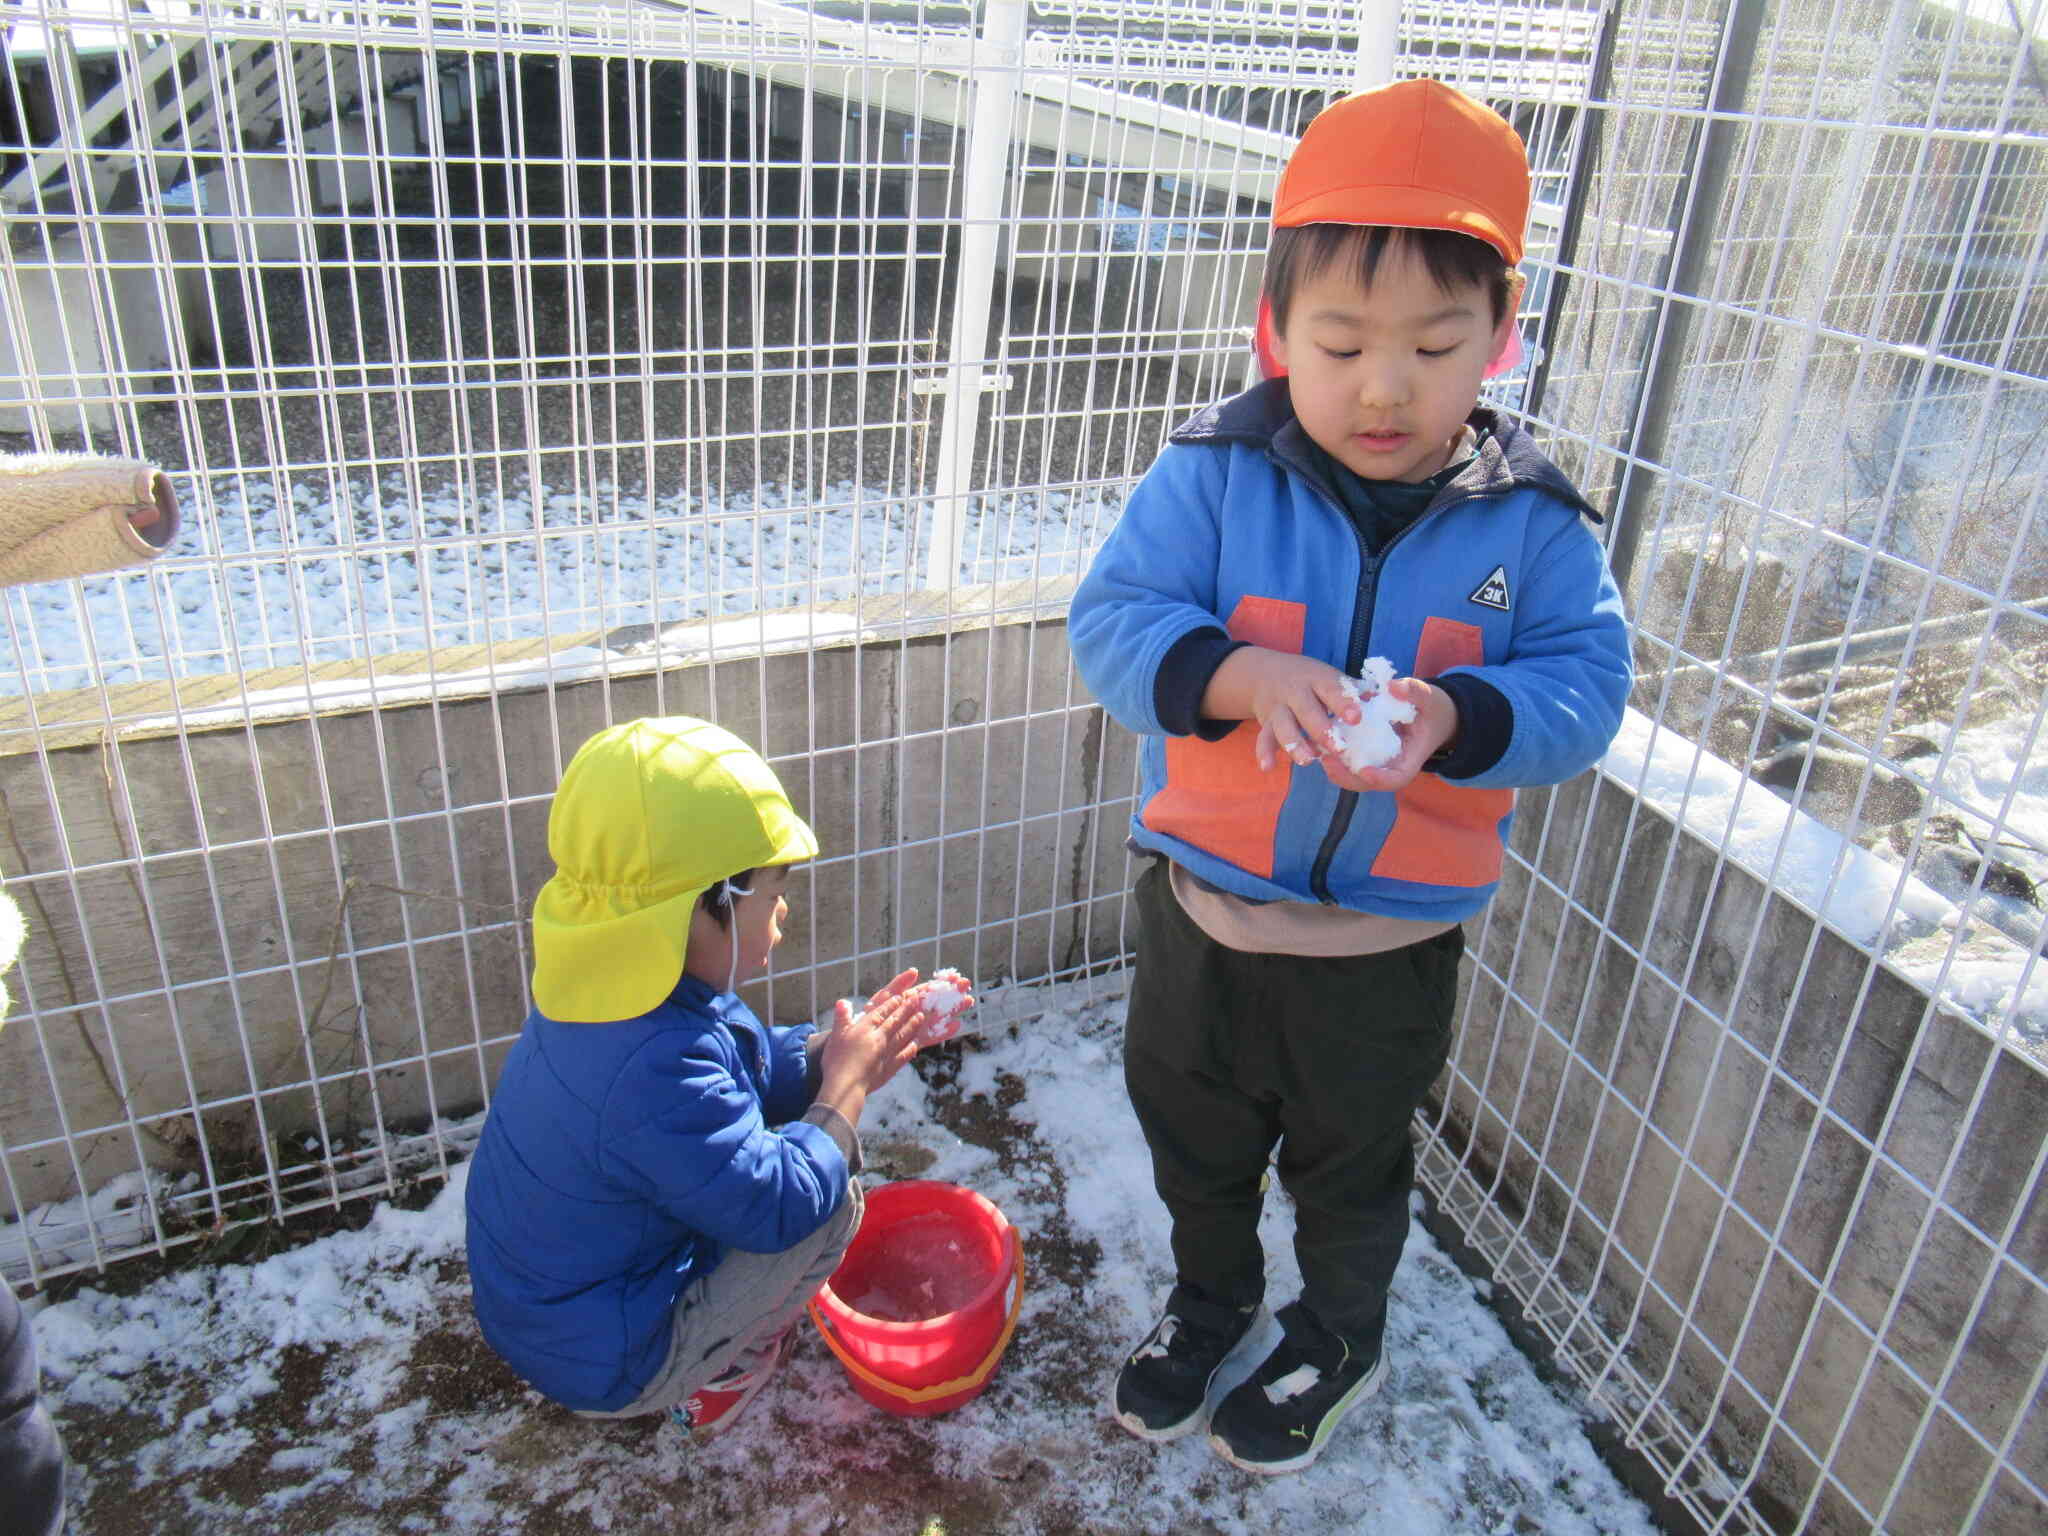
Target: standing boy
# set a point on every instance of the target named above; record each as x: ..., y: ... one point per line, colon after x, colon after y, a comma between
x: 1298, y: 929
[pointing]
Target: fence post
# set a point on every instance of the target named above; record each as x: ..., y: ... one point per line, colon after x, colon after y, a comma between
x: 998, y: 58
x: 1379, y: 23
x: 1694, y: 227
x: 1585, y: 156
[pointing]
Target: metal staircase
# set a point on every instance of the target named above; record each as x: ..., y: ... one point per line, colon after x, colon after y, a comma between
x: 185, y: 91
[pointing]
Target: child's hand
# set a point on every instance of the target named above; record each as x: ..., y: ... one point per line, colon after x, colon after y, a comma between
x: 944, y: 998
x: 903, y: 981
x: 1294, y: 699
x: 1434, y: 725
x: 864, y: 1050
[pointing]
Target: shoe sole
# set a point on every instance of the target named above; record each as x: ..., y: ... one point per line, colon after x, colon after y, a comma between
x: 1200, y: 1417
x: 1368, y: 1384
x: 1137, y: 1426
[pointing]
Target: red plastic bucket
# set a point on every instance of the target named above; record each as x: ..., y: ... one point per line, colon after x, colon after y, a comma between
x: 916, y: 1310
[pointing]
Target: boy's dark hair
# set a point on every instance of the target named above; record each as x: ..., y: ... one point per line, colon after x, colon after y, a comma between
x: 718, y: 903
x: 1454, y: 261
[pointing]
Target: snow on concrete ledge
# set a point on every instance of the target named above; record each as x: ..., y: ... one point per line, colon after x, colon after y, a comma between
x: 1870, y: 900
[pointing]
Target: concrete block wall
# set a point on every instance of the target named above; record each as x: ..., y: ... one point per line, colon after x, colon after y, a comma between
x: 1716, y: 1152
x: 90, y: 315
x: 327, y: 928
x: 1727, y: 1147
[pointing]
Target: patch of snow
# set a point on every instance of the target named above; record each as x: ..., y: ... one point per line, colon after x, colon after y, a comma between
x: 1855, y: 891
x: 1869, y: 898
x: 1464, y: 1439
x: 1373, y: 740
x: 266, y: 573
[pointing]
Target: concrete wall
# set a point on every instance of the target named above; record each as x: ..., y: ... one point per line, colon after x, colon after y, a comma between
x: 266, y: 942
x: 1695, y: 1144
x: 1635, y: 1161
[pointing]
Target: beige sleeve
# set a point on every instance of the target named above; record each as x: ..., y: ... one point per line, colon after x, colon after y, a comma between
x: 840, y: 1129
x: 75, y: 514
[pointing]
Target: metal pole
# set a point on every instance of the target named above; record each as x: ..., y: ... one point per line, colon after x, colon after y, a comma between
x: 995, y: 78
x: 1827, y: 249
x: 1698, y: 210
x: 1379, y: 23
x: 1584, y: 155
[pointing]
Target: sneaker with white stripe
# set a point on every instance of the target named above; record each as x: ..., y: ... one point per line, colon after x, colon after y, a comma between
x: 1162, y: 1392
x: 1280, y: 1418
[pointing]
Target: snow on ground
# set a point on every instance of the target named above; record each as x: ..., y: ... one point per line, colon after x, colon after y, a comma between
x: 315, y: 575
x: 339, y: 1387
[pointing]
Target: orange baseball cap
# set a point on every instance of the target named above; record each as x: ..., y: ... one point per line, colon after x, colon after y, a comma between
x: 1416, y: 154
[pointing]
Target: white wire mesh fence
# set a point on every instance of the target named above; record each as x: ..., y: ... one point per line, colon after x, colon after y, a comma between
x: 1770, y: 1184
x: 525, y: 366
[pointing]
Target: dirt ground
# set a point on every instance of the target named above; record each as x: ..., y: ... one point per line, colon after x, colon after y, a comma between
x: 423, y: 1430
x: 482, y: 1436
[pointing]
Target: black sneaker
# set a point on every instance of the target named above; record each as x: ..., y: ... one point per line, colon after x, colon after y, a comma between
x: 1280, y: 1417
x: 1163, y: 1389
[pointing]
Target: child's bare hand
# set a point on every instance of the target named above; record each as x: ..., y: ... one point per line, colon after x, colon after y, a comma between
x: 864, y: 1050
x: 1294, y: 698
x: 902, y: 982
x: 1434, y: 725
x: 944, y: 998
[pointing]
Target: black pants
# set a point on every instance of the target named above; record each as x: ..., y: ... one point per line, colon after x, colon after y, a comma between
x: 31, y: 1460
x: 1228, y: 1053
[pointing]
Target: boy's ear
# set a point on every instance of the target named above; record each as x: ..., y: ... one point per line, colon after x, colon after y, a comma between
x: 1506, y: 348
x: 1266, y: 342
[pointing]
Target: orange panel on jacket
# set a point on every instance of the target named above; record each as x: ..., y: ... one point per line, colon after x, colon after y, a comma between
x: 1216, y: 796
x: 1444, y: 834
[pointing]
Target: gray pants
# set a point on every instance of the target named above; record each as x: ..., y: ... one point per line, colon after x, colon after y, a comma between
x: 748, y: 1298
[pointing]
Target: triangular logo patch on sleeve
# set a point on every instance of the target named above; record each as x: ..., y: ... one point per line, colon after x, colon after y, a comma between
x: 1493, y: 592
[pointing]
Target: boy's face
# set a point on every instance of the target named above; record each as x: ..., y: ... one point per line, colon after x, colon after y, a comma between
x: 757, y: 919
x: 1383, y: 377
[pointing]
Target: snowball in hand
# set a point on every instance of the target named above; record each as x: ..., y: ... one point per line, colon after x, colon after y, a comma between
x: 1373, y: 740
x: 944, y: 997
x: 941, y: 999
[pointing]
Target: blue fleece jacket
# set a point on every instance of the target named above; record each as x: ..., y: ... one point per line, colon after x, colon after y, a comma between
x: 617, y: 1164
x: 1498, y: 590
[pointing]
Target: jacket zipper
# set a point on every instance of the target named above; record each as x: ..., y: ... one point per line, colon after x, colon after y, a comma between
x: 1361, y: 632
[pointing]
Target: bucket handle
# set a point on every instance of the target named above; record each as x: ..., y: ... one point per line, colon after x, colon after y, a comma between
x: 972, y: 1380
